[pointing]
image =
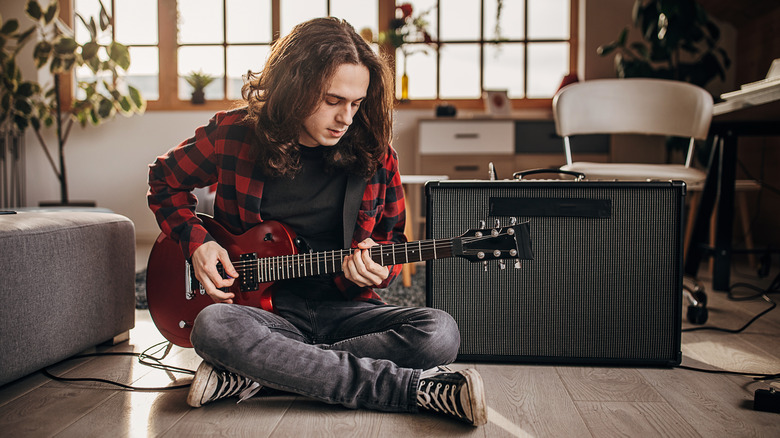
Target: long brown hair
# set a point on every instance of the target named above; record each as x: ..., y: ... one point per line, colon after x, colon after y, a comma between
x: 293, y: 83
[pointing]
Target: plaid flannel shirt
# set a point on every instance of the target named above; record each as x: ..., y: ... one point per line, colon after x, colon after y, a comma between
x: 219, y: 153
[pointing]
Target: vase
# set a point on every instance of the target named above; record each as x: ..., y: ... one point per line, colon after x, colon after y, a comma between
x: 405, y: 87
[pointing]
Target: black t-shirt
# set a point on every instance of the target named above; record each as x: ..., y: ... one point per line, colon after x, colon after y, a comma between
x: 311, y: 203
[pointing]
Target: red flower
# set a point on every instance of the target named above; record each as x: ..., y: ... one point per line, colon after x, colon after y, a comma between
x: 406, y: 9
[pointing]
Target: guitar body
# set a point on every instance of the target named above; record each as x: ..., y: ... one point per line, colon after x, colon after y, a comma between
x: 173, y: 294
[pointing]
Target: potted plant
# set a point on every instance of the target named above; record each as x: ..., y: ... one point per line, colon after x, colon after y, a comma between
x: 39, y: 105
x: 679, y: 42
x: 199, y: 81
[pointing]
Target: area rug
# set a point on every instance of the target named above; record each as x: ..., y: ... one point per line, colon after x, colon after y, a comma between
x: 396, y: 294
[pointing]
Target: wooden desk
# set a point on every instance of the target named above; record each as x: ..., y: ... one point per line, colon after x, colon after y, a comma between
x: 755, y: 115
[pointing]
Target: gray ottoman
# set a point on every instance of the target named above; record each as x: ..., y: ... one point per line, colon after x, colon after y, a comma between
x: 67, y: 283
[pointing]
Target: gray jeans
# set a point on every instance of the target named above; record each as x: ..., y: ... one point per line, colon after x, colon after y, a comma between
x: 358, y: 354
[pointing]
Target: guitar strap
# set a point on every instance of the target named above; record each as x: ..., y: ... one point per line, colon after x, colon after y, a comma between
x: 352, y: 199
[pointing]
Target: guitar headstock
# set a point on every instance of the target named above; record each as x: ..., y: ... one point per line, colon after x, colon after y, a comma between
x: 497, y: 243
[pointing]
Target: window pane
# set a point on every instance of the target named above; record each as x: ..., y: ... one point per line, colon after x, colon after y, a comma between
x: 421, y: 69
x: 298, y: 11
x: 548, y: 19
x: 249, y: 21
x: 209, y: 60
x: 89, y: 9
x: 200, y: 21
x: 359, y: 13
x: 144, y: 71
x: 241, y: 59
x: 459, y: 20
x: 460, y: 71
x: 425, y: 8
x: 512, y: 23
x: 504, y: 68
x: 548, y: 63
x: 136, y: 22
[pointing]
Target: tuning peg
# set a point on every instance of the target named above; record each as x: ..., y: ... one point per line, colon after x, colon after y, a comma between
x: 512, y: 221
x: 482, y: 225
x: 498, y: 223
x: 518, y: 264
x: 502, y: 264
x: 484, y: 265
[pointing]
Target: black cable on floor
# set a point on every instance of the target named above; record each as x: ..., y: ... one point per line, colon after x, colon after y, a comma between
x: 143, y: 358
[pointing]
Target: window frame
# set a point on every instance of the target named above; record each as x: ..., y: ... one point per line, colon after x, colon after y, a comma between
x: 169, y: 79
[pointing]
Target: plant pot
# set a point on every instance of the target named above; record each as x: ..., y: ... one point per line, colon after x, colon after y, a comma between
x: 198, y: 97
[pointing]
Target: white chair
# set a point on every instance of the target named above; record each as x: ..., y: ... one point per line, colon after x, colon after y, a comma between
x: 639, y: 106
x: 634, y: 106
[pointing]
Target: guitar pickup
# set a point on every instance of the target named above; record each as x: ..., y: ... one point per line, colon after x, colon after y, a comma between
x: 247, y: 275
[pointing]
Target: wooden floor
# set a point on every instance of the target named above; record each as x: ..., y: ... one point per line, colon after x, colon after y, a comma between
x: 524, y: 400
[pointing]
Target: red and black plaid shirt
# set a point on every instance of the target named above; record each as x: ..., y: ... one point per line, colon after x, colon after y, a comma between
x: 219, y: 153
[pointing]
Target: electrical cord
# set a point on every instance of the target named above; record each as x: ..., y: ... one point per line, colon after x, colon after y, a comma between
x: 774, y: 287
x: 144, y: 358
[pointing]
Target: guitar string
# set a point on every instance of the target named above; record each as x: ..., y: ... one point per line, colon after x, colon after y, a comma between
x: 338, y: 255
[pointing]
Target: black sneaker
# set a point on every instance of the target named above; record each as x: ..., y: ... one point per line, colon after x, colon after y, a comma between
x: 210, y: 384
x: 460, y: 394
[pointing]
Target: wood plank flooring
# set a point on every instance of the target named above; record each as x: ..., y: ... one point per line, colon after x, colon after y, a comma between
x: 525, y: 400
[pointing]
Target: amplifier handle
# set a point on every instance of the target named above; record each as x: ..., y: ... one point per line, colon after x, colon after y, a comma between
x: 579, y: 176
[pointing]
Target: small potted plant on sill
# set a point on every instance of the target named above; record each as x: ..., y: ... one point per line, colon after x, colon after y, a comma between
x: 198, y: 81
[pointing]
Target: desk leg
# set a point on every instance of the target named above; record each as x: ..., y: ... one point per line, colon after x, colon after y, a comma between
x: 721, y: 266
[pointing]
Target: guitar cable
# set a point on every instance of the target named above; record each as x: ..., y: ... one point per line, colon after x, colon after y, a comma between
x: 144, y: 358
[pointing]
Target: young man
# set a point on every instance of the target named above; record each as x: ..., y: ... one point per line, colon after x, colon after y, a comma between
x: 311, y: 150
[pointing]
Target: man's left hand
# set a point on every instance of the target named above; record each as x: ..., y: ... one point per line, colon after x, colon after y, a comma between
x: 361, y: 270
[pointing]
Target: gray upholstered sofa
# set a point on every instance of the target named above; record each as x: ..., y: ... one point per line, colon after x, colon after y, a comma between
x: 66, y: 284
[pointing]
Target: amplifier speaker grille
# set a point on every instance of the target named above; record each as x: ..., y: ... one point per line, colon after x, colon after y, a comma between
x: 602, y: 288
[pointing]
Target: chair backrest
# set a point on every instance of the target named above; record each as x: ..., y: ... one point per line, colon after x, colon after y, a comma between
x: 632, y: 106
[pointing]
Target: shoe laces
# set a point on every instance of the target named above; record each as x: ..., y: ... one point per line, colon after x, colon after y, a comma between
x: 230, y: 384
x: 439, y: 397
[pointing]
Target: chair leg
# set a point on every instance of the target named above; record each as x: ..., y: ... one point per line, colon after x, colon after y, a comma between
x: 748, y: 235
x: 693, y: 202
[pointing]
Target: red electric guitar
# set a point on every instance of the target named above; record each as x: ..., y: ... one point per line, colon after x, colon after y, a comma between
x: 268, y: 253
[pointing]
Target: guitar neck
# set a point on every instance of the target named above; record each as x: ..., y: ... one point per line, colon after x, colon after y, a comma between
x: 328, y: 262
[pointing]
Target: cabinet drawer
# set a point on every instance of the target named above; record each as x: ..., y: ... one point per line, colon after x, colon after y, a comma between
x: 467, y: 137
x: 462, y: 167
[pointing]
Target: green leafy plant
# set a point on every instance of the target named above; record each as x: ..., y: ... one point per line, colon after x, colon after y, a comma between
x: 28, y: 103
x: 679, y: 42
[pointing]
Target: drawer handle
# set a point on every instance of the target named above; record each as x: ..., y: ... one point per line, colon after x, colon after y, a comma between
x: 467, y: 168
x: 466, y: 135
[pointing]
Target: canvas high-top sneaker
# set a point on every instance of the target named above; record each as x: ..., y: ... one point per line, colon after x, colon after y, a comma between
x: 459, y: 394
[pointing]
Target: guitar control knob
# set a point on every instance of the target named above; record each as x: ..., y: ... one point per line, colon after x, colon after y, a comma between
x: 478, y: 234
x: 494, y: 232
x: 513, y: 252
x: 480, y: 255
x: 497, y: 253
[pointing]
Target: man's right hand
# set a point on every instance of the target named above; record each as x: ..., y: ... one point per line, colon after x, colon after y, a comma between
x: 204, y: 261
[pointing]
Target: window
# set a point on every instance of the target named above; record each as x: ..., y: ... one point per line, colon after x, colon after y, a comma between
x: 225, y: 38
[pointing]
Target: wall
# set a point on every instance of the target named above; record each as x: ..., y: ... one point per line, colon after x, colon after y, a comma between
x: 108, y: 163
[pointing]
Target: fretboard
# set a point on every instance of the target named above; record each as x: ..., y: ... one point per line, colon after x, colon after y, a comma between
x: 327, y: 262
